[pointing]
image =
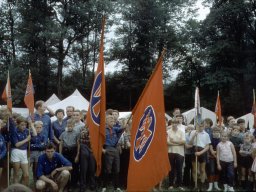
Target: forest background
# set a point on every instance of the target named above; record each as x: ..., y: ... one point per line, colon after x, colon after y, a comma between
x: 58, y: 40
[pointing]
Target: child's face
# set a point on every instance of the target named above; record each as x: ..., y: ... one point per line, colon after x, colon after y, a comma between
x: 22, y: 126
x: 188, y: 129
x: 76, y: 116
x: 216, y: 134
x: 247, y: 139
x: 60, y: 115
x: 38, y: 128
x: 201, y: 127
x: 70, y: 126
x: 235, y: 132
x: 224, y: 137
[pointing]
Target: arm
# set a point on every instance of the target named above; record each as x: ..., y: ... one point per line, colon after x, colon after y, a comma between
x: 234, y: 154
x: 3, y: 150
x: 191, y: 141
x: 60, y: 147
x: 212, y: 151
x: 56, y: 140
x: 20, y: 143
x: 34, y: 133
x: 78, y: 150
x: 218, y: 157
x: 206, y: 148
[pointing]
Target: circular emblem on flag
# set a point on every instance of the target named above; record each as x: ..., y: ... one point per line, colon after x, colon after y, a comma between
x: 95, y: 100
x: 145, y: 133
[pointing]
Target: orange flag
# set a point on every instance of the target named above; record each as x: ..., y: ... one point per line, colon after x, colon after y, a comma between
x: 7, y: 94
x: 96, y: 114
x: 218, y: 110
x: 29, y: 96
x: 254, y: 110
x: 149, y: 162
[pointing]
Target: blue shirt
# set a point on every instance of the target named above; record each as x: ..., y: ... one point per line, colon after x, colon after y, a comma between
x: 112, y: 137
x: 45, y: 166
x: 2, y: 147
x: 17, y: 136
x: 47, y: 128
x: 58, y: 128
x: 37, y: 142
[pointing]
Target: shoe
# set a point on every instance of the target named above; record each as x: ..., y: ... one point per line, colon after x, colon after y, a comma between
x: 104, y: 189
x: 118, y: 190
x: 181, y: 189
x: 231, y: 189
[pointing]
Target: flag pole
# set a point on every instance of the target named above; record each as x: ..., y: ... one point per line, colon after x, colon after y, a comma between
x: 8, y: 152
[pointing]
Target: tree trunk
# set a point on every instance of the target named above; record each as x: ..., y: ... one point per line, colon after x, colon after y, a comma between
x: 60, y: 68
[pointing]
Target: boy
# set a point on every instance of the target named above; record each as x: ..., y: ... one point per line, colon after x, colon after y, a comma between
x: 201, y: 141
x: 69, y: 147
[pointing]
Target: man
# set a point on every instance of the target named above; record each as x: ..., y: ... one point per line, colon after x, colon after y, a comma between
x: 176, y: 142
x: 112, y: 156
x: 115, y: 114
x: 41, y: 116
x: 69, y: 111
x: 181, y: 127
x: 176, y: 112
x: 52, y: 170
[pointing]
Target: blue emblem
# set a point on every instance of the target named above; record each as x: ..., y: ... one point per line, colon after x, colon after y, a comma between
x: 95, y: 99
x: 145, y: 133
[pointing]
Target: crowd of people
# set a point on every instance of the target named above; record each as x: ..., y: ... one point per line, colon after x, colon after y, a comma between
x: 209, y: 157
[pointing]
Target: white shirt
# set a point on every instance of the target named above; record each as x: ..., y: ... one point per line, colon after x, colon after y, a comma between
x: 176, y: 136
x: 201, y: 140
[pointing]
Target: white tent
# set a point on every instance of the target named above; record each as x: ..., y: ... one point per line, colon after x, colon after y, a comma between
x: 248, y: 119
x: 128, y: 113
x: 52, y: 100
x: 76, y: 100
x: 206, y: 113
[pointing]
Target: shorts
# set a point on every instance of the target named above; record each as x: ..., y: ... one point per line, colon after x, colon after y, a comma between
x: 202, y: 158
x: 34, y: 156
x: 246, y: 162
x: 19, y: 156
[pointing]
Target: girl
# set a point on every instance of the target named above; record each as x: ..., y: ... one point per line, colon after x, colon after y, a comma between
x: 19, y: 143
x: 226, y: 161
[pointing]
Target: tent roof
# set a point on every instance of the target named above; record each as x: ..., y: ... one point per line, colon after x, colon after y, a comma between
x: 127, y: 114
x: 206, y: 113
x: 249, y: 119
x: 75, y: 99
x: 52, y: 100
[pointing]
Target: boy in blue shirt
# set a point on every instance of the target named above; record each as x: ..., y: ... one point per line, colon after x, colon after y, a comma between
x: 52, y: 170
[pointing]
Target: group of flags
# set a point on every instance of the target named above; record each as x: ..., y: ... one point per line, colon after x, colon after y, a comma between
x: 149, y: 162
x: 28, y: 98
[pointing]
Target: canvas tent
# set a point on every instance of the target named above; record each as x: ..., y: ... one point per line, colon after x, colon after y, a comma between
x: 52, y: 100
x: 75, y: 99
x: 206, y: 113
x: 128, y: 113
x: 249, y: 119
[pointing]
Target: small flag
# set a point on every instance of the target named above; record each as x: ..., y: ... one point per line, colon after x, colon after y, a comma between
x: 29, y: 96
x: 7, y: 94
x: 149, y: 162
x: 218, y: 110
x: 197, y: 108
